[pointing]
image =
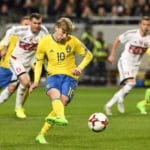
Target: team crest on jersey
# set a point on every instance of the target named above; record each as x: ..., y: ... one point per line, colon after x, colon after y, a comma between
x: 68, y: 48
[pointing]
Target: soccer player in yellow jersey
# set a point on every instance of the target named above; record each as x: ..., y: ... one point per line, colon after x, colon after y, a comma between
x: 60, y: 49
x: 6, y: 82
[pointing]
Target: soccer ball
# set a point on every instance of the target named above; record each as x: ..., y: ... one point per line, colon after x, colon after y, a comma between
x: 97, y: 122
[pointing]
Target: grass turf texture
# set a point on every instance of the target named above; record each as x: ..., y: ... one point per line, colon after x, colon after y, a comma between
x: 129, y: 131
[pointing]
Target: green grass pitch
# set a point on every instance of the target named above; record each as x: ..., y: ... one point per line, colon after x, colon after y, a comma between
x: 129, y: 131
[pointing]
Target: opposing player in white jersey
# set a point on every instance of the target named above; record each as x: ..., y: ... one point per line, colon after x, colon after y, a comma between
x: 136, y: 43
x: 23, y: 55
x: 6, y: 84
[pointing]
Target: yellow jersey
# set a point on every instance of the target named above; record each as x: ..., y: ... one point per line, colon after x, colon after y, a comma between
x: 12, y: 43
x: 61, y: 57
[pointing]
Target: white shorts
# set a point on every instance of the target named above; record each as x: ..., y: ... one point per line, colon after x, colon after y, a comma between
x: 17, y: 68
x: 127, y: 71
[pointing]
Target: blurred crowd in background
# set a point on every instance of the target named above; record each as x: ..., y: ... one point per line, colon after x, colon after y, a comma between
x: 96, y: 73
x: 75, y: 8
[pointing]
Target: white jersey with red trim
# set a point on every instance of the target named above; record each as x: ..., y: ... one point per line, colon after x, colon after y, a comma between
x: 135, y: 46
x: 27, y: 43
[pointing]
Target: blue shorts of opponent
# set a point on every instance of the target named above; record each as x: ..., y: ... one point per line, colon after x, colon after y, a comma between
x: 5, y: 77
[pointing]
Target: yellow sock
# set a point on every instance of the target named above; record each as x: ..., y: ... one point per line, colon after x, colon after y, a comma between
x: 46, y: 125
x: 58, y: 107
x: 45, y: 128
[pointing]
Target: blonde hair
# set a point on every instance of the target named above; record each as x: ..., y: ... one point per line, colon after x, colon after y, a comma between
x: 65, y: 24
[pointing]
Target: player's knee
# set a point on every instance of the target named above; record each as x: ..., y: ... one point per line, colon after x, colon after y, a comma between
x: 25, y: 83
x: 25, y: 80
x: 11, y: 88
x: 132, y: 84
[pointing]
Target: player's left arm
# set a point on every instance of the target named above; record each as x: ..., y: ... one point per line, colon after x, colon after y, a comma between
x: 86, y: 60
x: 81, y: 50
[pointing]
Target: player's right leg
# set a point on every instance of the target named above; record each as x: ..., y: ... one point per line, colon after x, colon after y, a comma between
x: 123, y: 92
x: 19, y: 72
x: 118, y: 97
x: 59, y: 119
x: 21, y: 96
x: 55, y: 85
x: 110, y: 103
x: 128, y: 80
